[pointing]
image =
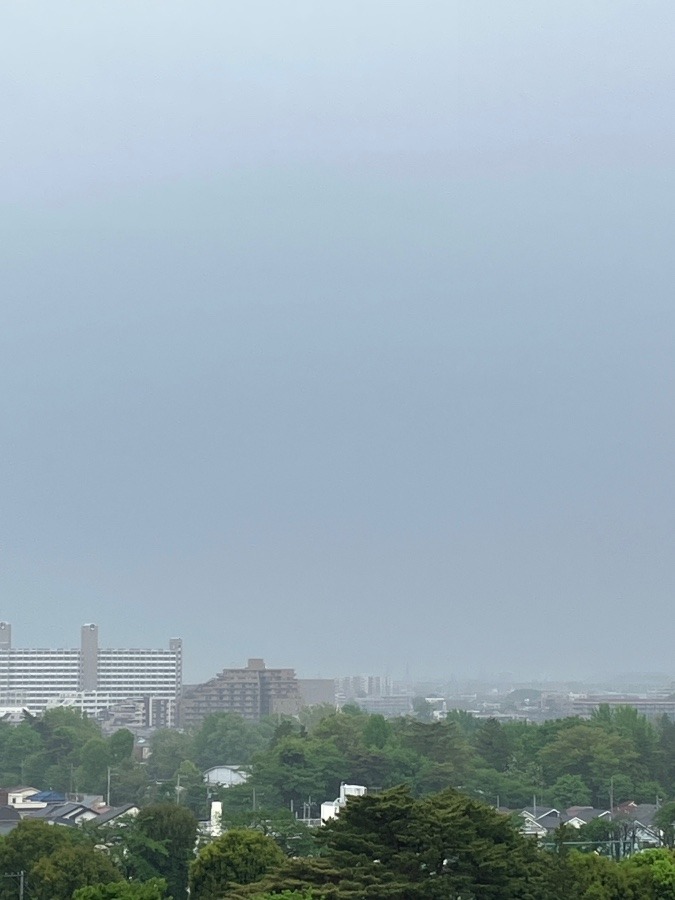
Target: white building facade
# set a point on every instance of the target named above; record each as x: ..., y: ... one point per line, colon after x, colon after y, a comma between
x: 88, y: 677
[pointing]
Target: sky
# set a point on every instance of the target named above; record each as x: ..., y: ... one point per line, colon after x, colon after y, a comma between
x: 340, y: 333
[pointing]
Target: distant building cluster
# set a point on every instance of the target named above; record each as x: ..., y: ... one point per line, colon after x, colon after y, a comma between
x: 147, y: 683
x: 375, y: 694
x: 354, y: 687
x: 143, y: 688
x: 650, y: 706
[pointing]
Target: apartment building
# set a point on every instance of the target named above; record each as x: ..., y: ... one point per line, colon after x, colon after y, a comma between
x: 652, y: 706
x: 89, y: 677
x: 253, y: 692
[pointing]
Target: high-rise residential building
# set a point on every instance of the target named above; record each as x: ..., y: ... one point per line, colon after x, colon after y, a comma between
x: 89, y: 677
x: 252, y: 692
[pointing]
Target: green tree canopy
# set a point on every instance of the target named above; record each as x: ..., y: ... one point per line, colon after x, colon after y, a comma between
x: 227, y: 739
x: 171, y: 833
x: 56, y: 861
x: 121, y: 746
x: 169, y: 749
x: 155, y: 889
x: 570, y: 790
x: 391, y: 845
x: 238, y: 857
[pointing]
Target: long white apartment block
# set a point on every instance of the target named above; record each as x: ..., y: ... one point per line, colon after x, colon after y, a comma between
x: 90, y: 677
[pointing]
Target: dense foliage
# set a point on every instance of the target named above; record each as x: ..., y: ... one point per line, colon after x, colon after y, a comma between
x: 446, y: 846
x: 297, y: 763
x: 437, y: 837
x: 563, y: 763
x: 240, y: 856
x: 55, y: 861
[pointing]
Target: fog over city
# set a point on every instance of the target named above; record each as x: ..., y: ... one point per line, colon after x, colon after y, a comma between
x: 341, y: 334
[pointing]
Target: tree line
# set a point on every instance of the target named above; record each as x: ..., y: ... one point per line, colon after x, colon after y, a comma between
x: 438, y: 836
x: 617, y: 754
x: 297, y: 763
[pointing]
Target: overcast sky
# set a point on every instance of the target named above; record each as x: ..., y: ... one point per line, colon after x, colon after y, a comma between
x: 341, y: 333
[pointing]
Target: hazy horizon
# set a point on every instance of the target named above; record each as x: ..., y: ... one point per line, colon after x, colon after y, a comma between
x: 340, y: 334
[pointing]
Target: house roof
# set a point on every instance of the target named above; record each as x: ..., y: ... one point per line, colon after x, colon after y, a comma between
x: 110, y: 814
x: 9, y: 813
x: 637, y: 812
x: 587, y: 813
x: 550, y: 823
x: 537, y: 812
x: 48, y: 797
x: 67, y: 811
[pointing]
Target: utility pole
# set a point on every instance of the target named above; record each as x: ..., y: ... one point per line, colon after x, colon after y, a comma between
x: 22, y: 881
x: 107, y: 796
x: 611, y: 798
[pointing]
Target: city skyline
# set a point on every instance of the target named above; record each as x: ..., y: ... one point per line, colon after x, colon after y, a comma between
x: 368, y: 678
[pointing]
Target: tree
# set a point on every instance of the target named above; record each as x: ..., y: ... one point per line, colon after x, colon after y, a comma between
x: 423, y: 709
x: 345, y: 730
x: 173, y: 829
x: 130, y: 848
x: 56, y: 861
x: 664, y: 819
x: 492, y: 743
x: 291, y: 835
x: 128, y: 783
x: 190, y: 790
x: 391, y: 845
x: 512, y: 789
x: 288, y: 895
x: 155, y: 889
x: 22, y: 742
x: 603, y: 836
x: 226, y: 739
x: 593, y: 754
x: 239, y: 857
x: 61, y: 873
x: 25, y: 846
x: 169, y: 748
x: 587, y: 876
x: 666, y: 754
x: 654, y: 871
x: 377, y: 732
x: 439, y: 742
x: 94, y: 761
x: 121, y: 746
x: 297, y: 768
x: 310, y: 716
x: 570, y: 790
